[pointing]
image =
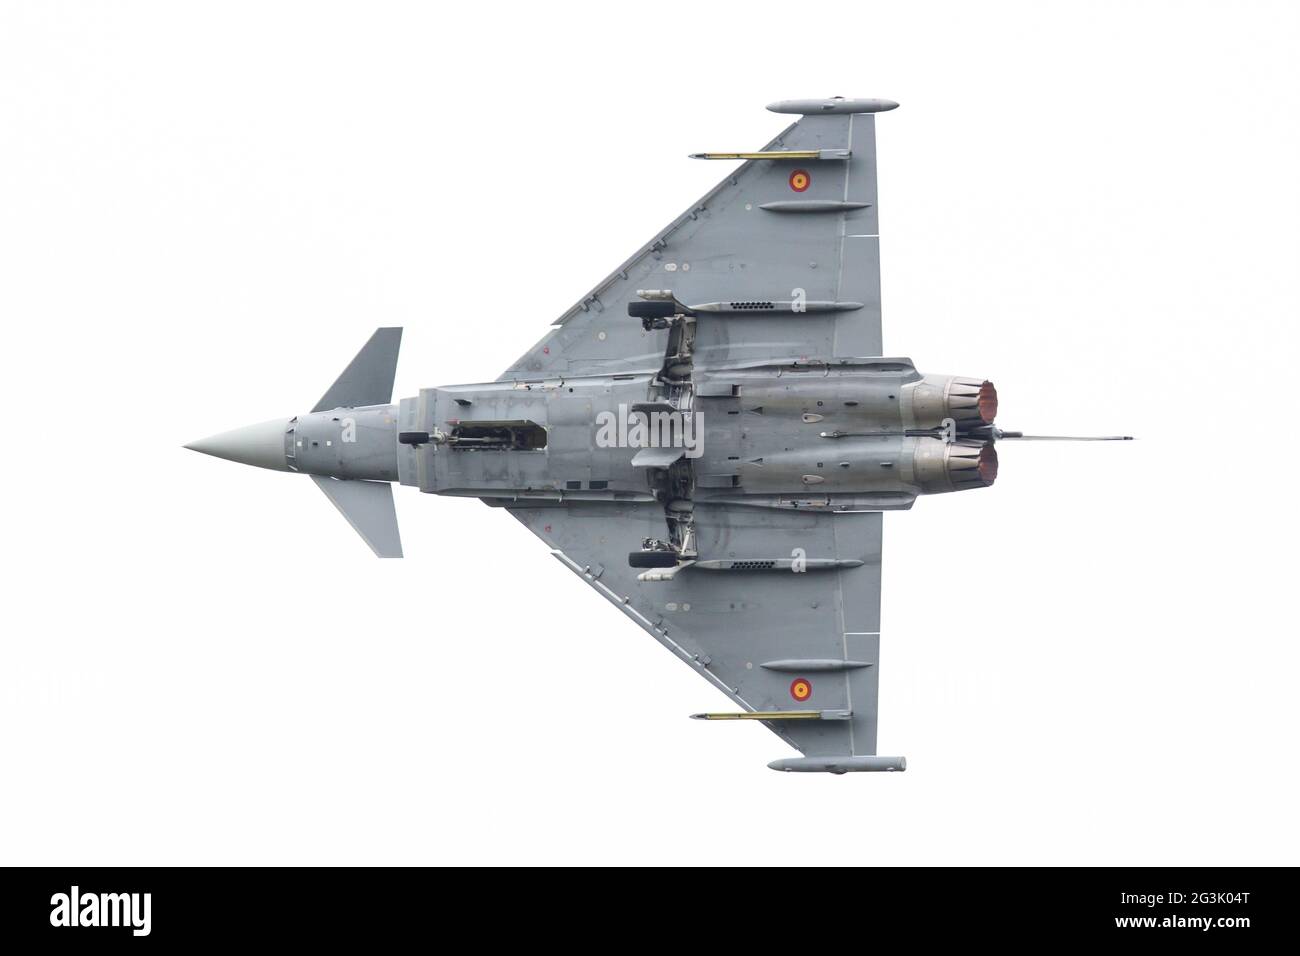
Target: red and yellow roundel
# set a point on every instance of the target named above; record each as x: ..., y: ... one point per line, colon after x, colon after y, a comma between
x: 800, y: 180
x: 801, y: 689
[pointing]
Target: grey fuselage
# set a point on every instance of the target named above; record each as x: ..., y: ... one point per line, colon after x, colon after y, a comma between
x: 865, y: 435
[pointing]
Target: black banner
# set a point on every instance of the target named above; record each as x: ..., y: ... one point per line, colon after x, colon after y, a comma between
x: 137, y: 907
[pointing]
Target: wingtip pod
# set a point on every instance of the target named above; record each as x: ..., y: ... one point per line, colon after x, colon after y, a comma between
x: 837, y: 765
x: 835, y: 104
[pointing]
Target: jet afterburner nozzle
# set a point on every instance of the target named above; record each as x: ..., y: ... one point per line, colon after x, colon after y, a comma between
x: 970, y: 402
x: 941, y: 466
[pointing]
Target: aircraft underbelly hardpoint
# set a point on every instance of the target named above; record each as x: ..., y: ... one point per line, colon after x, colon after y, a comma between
x: 707, y: 439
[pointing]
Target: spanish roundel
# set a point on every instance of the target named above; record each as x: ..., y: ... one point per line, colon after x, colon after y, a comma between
x: 800, y: 180
x: 801, y: 689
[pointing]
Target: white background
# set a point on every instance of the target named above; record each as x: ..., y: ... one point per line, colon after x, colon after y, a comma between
x: 206, y: 208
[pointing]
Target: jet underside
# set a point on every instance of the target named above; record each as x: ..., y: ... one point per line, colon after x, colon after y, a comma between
x: 708, y: 438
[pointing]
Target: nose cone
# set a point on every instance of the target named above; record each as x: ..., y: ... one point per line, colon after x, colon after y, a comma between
x: 260, y: 445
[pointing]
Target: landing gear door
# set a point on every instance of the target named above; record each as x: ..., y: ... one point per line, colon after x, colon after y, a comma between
x: 569, y: 445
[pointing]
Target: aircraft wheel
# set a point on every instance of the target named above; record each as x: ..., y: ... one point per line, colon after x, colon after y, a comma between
x: 652, y: 559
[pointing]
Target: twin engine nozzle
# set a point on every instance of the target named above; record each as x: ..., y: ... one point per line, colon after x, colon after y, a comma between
x: 960, y: 411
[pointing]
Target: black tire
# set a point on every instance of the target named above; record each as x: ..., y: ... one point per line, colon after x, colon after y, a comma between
x: 654, y: 309
x: 413, y: 438
x: 652, y: 559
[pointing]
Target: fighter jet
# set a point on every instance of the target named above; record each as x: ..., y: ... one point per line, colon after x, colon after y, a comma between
x: 707, y: 439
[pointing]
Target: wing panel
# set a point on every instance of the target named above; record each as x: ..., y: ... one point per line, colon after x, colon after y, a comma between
x: 729, y: 624
x: 729, y: 248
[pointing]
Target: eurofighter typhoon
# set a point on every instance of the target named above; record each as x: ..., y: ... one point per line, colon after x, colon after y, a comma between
x: 707, y: 439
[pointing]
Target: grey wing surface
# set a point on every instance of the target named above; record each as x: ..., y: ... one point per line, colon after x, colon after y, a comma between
x: 773, y: 235
x: 753, y: 634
